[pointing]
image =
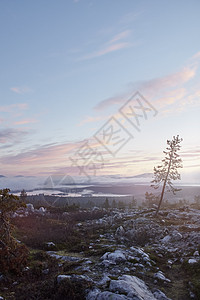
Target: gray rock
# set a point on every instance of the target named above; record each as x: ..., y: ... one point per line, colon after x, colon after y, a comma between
x: 160, y: 295
x: 98, y: 295
x: 177, y: 236
x: 62, y: 277
x: 166, y: 239
x: 192, y: 261
x: 42, y: 210
x: 159, y: 275
x: 62, y: 257
x: 116, y: 256
x: 30, y: 207
x: 196, y: 253
x: 104, y: 281
x: 74, y: 277
x: 140, y: 252
x: 131, y: 286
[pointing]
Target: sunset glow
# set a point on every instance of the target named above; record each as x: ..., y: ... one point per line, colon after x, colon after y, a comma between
x: 67, y: 67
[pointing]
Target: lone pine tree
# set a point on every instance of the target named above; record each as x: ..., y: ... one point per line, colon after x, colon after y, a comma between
x: 168, y: 171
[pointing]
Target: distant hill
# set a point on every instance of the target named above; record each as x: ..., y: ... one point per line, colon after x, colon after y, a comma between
x: 2, y: 176
x: 144, y: 175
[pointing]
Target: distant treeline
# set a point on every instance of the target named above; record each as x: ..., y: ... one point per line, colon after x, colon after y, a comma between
x: 83, y: 202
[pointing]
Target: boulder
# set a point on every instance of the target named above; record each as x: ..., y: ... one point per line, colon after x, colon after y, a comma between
x: 62, y: 277
x: 132, y: 287
x: 98, y: 295
x: 196, y: 253
x: 166, y: 239
x: 159, y: 275
x: 42, y: 210
x: 192, y: 261
x: 30, y: 207
x: 176, y: 236
x: 160, y: 295
x: 117, y: 256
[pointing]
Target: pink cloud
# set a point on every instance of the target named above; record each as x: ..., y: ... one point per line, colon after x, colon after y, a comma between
x: 50, y: 159
x: 26, y: 121
x: 20, y: 90
x: 153, y: 87
x: 44, y: 155
x: 90, y: 119
x: 13, y: 107
x: 169, y: 81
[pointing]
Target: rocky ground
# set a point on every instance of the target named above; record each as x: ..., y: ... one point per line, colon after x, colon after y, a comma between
x: 143, y: 257
x: 133, y: 255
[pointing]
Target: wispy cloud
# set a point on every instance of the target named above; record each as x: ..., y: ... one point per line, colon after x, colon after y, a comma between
x: 13, y: 107
x: 120, y: 36
x: 114, y: 44
x: 44, y: 156
x: 169, y: 81
x: 109, y: 101
x: 170, y: 88
x: 11, y: 135
x: 25, y: 121
x: 20, y: 90
x: 91, y: 119
x: 52, y: 158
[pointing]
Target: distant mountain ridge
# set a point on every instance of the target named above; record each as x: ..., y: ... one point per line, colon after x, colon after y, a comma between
x: 144, y: 175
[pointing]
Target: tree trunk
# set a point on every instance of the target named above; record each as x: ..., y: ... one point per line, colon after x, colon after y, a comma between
x: 161, y: 197
x: 164, y: 185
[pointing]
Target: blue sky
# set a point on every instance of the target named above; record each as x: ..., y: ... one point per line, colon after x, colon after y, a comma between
x: 68, y: 66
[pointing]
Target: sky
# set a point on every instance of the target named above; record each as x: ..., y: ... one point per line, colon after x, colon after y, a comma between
x: 70, y: 73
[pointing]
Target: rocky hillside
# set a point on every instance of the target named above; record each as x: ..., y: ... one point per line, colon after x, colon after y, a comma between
x: 120, y: 255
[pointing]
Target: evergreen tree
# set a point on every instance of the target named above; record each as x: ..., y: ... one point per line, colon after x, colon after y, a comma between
x: 134, y: 202
x: 150, y: 199
x: 13, y: 256
x: 121, y: 204
x: 106, y: 204
x: 23, y: 196
x: 114, y: 204
x: 197, y: 200
x: 165, y: 173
